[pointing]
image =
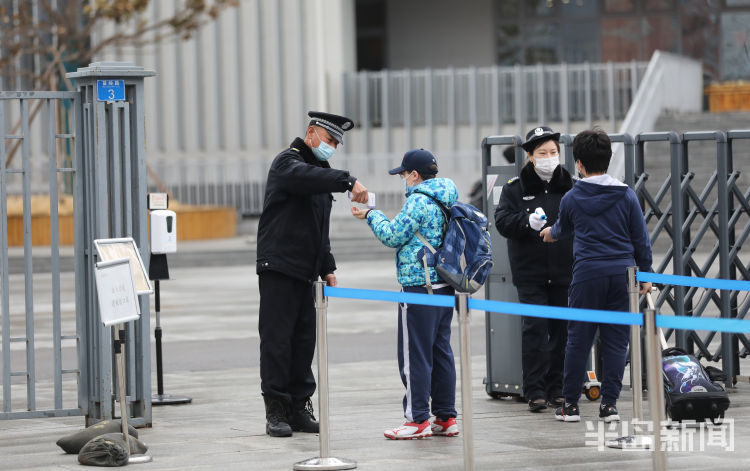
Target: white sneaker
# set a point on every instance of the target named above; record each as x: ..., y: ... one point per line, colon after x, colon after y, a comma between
x: 448, y: 428
x: 409, y: 431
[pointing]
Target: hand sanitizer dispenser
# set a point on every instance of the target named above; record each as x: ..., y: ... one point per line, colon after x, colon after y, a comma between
x: 163, y: 231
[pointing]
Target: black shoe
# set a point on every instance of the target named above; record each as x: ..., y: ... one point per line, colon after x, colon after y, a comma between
x: 556, y: 402
x: 568, y: 413
x: 608, y: 412
x: 276, y: 418
x: 537, y: 405
x: 302, y: 419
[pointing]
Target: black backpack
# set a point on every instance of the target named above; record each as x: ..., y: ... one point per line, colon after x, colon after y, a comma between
x: 690, y: 392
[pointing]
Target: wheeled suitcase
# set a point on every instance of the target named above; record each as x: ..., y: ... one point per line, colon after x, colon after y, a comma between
x: 690, y: 393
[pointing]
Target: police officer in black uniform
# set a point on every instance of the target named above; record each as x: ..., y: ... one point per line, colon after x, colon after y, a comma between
x: 293, y: 251
x: 541, y: 272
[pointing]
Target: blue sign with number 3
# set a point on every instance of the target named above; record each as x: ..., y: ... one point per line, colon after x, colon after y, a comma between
x: 110, y: 90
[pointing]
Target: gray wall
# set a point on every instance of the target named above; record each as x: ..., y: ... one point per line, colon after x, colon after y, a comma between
x: 440, y: 33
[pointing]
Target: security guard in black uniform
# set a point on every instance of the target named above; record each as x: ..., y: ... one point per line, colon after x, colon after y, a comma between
x: 541, y: 272
x: 293, y: 251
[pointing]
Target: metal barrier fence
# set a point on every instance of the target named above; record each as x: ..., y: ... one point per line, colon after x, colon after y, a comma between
x: 492, y: 95
x: 463, y: 303
x: 49, y: 323
x: 697, y: 213
x: 103, y: 141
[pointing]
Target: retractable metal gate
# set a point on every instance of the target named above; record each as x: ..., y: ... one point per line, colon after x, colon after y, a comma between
x: 698, y: 221
x: 102, y: 135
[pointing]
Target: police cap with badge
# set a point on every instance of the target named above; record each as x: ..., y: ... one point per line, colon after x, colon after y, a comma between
x: 537, y: 135
x: 335, y: 125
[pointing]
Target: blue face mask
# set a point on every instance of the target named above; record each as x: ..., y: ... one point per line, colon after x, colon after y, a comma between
x: 407, y: 188
x: 324, y: 151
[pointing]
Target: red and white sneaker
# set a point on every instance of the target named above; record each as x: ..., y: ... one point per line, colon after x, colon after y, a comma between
x: 410, y: 431
x: 448, y: 428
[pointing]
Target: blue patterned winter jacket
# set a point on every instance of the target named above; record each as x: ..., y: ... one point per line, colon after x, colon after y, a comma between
x: 419, y: 213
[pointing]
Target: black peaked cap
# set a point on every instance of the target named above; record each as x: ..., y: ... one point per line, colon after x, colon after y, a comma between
x: 335, y: 125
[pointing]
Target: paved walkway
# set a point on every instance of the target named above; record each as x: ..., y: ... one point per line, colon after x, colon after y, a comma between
x: 209, y: 316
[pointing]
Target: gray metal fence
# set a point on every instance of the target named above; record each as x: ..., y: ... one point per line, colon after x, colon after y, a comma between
x: 53, y: 342
x: 45, y: 323
x: 493, y: 95
x: 694, y: 194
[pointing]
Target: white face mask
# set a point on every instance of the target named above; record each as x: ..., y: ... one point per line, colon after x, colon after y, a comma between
x: 547, y: 165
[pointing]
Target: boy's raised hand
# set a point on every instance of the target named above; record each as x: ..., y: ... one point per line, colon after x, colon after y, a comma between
x: 545, y: 235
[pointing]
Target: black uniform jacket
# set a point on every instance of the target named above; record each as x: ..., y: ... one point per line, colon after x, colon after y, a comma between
x: 293, y: 228
x: 532, y: 261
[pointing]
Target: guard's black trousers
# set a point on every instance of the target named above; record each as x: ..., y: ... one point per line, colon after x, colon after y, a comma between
x: 543, y: 343
x: 286, y: 326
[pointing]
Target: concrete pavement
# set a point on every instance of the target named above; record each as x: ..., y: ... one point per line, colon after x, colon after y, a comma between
x: 209, y: 317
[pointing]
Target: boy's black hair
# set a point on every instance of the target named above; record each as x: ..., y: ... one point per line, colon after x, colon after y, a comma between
x: 594, y: 149
x: 426, y: 176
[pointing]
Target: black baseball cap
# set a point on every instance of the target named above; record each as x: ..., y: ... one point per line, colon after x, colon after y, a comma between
x: 536, y: 135
x: 418, y: 159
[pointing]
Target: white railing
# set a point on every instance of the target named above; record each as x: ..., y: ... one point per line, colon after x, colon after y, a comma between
x: 512, y: 98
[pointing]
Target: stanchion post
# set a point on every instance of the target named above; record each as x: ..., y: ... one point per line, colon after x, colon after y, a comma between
x: 321, y: 306
x: 323, y: 462
x: 464, y: 321
x: 635, y: 347
x: 655, y: 387
x: 634, y: 441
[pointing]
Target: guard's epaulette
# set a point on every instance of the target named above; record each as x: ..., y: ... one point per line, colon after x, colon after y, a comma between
x: 512, y: 179
x: 294, y: 149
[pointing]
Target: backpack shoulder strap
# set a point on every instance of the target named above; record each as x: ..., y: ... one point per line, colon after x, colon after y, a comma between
x: 443, y: 208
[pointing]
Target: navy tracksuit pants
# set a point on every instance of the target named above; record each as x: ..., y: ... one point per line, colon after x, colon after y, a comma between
x: 425, y: 358
x: 608, y: 293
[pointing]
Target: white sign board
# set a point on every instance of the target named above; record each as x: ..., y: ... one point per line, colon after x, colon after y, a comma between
x: 114, y: 249
x: 158, y: 201
x: 115, y: 286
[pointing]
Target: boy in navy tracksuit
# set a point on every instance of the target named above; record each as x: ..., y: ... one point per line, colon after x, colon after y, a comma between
x: 610, y: 235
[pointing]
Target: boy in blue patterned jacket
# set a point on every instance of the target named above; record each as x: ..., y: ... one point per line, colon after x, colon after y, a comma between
x: 425, y: 357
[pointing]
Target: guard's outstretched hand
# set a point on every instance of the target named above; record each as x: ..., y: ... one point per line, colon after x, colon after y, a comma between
x: 359, y: 193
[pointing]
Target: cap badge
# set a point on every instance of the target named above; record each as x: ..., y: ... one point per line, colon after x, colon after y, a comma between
x: 538, y: 131
x: 346, y: 125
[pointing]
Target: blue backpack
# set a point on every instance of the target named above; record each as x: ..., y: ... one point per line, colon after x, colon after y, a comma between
x: 465, y: 258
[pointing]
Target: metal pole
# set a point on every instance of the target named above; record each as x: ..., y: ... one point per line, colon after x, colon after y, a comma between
x: 161, y: 399
x: 635, y: 348
x: 323, y: 462
x: 655, y: 387
x: 121, y: 386
x: 321, y: 315
x: 462, y: 305
x: 634, y: 441
x: 120, y: 339
x: 157, y: 336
